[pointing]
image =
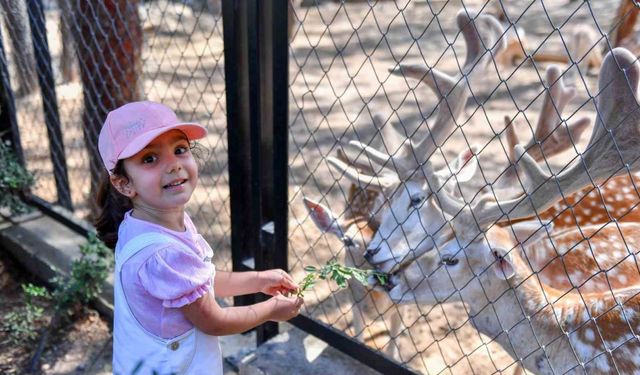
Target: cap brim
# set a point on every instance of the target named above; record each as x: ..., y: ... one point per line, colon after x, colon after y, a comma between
x: 193, y: 131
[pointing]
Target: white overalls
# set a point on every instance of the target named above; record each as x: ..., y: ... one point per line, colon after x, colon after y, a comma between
x: 193, y: 352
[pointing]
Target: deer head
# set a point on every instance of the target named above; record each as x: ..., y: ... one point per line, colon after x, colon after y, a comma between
x: 354, y: 232
x: 458, y: 273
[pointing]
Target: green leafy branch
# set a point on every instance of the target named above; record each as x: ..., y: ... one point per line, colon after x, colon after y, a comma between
x: 15, y: 180
x: 81, y: 286
x: 22, y: 323
x: 338, y: 273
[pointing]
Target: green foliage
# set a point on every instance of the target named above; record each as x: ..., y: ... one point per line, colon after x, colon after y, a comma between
x: 83, y: 284
x: 22, y: 324
x: 88, y: 273
x: 338, y: 273
x: 14, y: 180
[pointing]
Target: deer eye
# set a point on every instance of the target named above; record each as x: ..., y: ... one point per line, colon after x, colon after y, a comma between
x: 348, y: 241
x: 415, y: 201
x: 449, y: 261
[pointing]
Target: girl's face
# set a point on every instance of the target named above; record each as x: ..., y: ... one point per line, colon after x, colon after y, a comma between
x: 163, y: 175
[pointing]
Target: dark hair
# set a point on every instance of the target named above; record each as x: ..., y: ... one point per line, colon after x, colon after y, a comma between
x: 112, y: 205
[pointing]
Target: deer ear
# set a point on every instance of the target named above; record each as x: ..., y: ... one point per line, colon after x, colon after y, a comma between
x: 503, y: 264
x: 466, y: 166
x: 323, y: 218
x: 530, y: 231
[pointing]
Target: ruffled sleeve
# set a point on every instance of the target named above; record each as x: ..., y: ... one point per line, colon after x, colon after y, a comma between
x: 175, y: 276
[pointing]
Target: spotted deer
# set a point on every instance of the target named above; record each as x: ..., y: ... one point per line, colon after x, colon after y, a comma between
x: 551, y: 304
x: 558, y: 302
x: 581, y: 43
x: 355, y: 229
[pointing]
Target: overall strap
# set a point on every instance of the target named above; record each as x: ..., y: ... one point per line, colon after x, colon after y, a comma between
x: 141, y: 241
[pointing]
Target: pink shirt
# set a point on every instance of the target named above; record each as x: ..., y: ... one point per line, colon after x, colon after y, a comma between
x: 161, y: 278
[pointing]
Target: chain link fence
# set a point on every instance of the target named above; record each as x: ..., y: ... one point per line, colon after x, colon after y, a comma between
x: 181, y: 64
x: 343, y: 90
x: 356, y: 72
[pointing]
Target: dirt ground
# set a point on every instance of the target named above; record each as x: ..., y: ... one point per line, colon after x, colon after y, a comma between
x: 339, y: 79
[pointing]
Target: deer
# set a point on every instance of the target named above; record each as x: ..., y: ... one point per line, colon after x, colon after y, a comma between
x: 581, y: 45
x: 557, y: 302
x: 356, y: 228
x: 519, y: 294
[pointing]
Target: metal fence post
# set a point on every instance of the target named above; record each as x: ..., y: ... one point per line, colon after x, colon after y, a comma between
x: 244, y: 232
x: 8, y: 121
x: 280, y: 126
x: 257, y: 110
x: 271, y: 50
x: 49, y: 101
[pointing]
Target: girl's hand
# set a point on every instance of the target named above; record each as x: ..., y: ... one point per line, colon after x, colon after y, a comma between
x: 284, y: 308
x: 276, y: 281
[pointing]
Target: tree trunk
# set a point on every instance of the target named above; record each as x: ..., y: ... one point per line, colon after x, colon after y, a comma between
x: 68, y: 65
x: 14, y: 13
x: 108, y: 37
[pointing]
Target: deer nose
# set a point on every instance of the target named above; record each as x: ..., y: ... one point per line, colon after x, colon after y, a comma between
x: 370, y: 253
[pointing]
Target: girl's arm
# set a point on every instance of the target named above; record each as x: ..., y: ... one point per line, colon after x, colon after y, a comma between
x: 212, y: 319
x: 230, y: 284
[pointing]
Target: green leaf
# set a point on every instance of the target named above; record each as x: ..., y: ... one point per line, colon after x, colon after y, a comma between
x: 340, y: 274
x: 362, y: 278
x: 382, y: 278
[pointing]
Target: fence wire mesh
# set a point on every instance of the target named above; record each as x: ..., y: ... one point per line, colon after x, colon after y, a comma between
x: 356, y: 74
x: 182, y: 65
x: 456, y: 315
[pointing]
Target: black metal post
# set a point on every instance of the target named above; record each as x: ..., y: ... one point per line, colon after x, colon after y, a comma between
x: 253, y: 159
x: 244, y: 235
x: 345, y: 344
x: 49, y: 101
x: 257, y: 113
x: 280, y: 126
x: 271, y: 49
x: 263, y: 260
x: 9, y: 132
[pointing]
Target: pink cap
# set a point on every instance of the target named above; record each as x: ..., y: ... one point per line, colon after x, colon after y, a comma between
x: 130, y: 128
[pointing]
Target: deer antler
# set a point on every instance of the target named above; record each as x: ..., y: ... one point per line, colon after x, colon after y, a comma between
x: 612, y: 149
x: 361, y: 173
x: 548, y: 140
x: 483, y: 41
x: 483, y: 37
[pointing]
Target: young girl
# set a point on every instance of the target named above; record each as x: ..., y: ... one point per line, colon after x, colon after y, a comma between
x: 166, y: 318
